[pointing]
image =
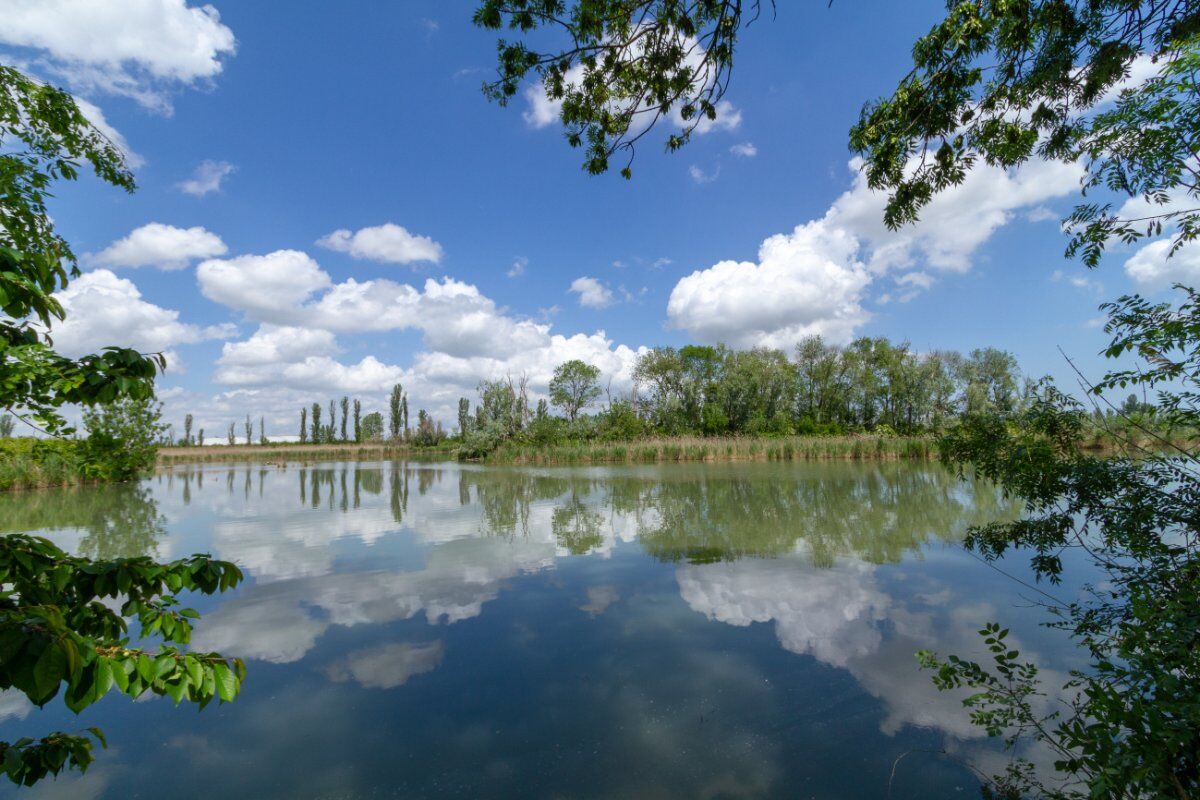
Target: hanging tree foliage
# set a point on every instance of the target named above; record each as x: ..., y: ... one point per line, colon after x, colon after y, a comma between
x: 58, y: 637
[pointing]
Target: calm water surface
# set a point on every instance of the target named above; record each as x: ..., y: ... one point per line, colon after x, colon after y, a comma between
x: 437, y: 630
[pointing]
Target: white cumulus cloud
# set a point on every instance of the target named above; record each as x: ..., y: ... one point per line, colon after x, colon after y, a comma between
x: 592, y: 293
x: 206, y: 178
x: 466, y: 336
x: 103, y: 309
x: 542, y: 111
x: 388, y: 242
x: 268, y: 288
x: 162, y: 246
x: 815, y: 280
x: 136, y: 48
x: 1151, y: 268
x: 804, y: 283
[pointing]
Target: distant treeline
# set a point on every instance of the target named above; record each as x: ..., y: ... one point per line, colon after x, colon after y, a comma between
x: 319, y: 425
x: 871, y: 385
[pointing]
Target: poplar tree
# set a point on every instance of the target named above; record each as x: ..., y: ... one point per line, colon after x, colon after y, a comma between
x: 464, y: 416
x: 200, y: 438
x: 187, y: 430
x: 394, y: 411
x: 357, y: 420
x: 303, y: 425
x: 345, y: 415
x: 249, y: 430
x: 231, y: 434
x: 316, y: 423
x: 262, y: 430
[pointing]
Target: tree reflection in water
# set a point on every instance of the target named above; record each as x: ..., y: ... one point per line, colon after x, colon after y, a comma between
x: 118, y: 521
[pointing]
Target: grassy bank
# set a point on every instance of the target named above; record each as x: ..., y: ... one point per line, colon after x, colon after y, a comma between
x: 28, y: 463
x: 297, y: 452
x: 794, y: 448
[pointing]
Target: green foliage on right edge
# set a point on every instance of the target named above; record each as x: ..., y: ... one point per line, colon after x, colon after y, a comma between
x: 56, y: 635
x: 1129, y: 725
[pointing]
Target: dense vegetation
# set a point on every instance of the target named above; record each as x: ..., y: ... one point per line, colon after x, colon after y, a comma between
x: 871, y: 387
x: 120, y: 445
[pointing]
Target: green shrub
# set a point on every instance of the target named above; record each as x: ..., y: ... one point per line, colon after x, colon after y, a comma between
x: 27, y: 463
x: 122, y: 438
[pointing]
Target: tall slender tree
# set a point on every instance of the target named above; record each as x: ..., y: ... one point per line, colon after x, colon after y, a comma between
x: 464, y: 416
x: 357, y: 420
x: 345, y: 416
x: 395, y: 419
x: 404, y: 414
x: 316, y: 423
x: 249, y: 430
x: 262, y: 430
x: 303, y: 425
x: 187, y: 430
x: 200, y: 438
x: 231, y: 434
x: 329, y: 432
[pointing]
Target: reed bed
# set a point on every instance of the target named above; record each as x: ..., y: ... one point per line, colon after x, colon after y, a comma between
x: 797, y: 448
x: 27, y: 463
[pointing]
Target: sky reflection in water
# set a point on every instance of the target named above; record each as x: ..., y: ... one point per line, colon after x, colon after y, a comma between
x: 437, y: 630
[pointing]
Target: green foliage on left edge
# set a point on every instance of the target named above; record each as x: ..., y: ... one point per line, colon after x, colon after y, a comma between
x: 43, y: 138
x: 54, y: 628
x: 57, y: 635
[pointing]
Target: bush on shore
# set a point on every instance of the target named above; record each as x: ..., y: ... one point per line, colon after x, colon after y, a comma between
x: 120, y: 446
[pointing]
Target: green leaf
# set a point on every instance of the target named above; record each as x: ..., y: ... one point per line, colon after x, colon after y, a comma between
x: 146, y: 668
x: 227, y: 684
x: 49, y: 671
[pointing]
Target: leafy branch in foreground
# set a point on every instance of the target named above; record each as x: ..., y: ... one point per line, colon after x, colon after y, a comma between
x: 623, y: 66
x: 1051, y: 79
x: 1128, y: 726
x: 44, y: 137
x: 58, y: 635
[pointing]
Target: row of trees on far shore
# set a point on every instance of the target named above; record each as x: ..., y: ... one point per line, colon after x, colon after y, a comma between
x: 871, y: 385
x: 319, y: 425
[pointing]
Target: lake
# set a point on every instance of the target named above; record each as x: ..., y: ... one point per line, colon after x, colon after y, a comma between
x: 439, y: 630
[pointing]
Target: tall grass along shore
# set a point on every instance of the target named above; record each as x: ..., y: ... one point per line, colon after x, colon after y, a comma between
x: 731, y: 448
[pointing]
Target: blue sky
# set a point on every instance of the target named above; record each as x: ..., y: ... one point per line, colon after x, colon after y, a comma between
x: 361, y: 115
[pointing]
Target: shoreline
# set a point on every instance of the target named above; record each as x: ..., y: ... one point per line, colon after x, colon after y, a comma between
x: 662, y: 450
x: 720, y: 448
x: 258, y: 452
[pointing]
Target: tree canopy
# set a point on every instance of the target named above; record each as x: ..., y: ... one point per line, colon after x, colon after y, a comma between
x: 55, y: 629
x: 574, y: 386
x: 994, y: 80
x: 44, y: 138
